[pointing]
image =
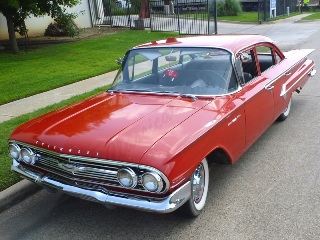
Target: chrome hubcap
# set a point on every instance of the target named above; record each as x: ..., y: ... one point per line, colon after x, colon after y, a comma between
x: 198, y: 183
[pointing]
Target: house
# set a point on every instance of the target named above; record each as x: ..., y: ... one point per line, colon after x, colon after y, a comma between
x: 92, y: 10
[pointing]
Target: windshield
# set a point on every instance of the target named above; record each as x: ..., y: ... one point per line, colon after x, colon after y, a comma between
x: 194, y: 71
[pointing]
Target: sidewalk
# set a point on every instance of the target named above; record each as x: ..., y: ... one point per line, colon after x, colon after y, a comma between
x: 286, y: 33
x: 41, y: 100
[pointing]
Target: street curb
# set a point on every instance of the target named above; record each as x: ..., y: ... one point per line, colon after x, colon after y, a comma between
x: 17, y: 193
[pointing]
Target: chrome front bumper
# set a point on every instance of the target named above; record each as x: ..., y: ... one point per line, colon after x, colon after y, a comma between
x: 165, y: 205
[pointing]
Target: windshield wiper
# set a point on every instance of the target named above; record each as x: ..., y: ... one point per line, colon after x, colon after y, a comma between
x: 114, y: 90
x: 129, y: 90
x: 169, y: 92
x: 137, y: 90
x: 185, y: 95
x: 193, y: 97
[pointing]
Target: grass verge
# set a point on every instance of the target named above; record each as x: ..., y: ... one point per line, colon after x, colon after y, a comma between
x: 252, y: 17
x: 8, y: 178
x: 49, y: 67
x: 313, y: 16
x: 242, y: 17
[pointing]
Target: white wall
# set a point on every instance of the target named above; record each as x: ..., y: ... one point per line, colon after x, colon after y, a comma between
x: 38, y: 25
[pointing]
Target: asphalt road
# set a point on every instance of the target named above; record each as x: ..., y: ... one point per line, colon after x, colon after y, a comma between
x: 272, y: 192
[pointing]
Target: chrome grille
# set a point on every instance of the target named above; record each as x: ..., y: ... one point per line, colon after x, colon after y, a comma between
x: 85, y: 170
x: 72, y: 167
x: 80, y: 169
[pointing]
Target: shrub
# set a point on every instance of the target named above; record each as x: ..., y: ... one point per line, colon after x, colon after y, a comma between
x: 220, y: 8
x: 229, y: 8
x: 63, y: 25
x: 53, y: 30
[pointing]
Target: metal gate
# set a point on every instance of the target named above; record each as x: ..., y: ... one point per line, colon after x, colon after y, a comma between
x: 163, y: 17
x: 185, y: 16
x: 124, y: 13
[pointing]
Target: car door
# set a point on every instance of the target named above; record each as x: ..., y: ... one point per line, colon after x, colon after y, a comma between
x: 269, y: 66
x: 257, y: 99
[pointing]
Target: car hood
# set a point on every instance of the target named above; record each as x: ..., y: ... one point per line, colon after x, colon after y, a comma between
x: 110, y: 126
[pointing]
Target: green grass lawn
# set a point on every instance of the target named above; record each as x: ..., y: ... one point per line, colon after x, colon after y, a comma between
x: 243, y: 17
x: 252, y: 17
x: 313, y: 16
x: 284, y: 16
x: 46, y: 68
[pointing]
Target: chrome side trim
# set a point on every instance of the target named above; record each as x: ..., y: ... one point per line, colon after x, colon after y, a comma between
x: 283, y: 73
x: 284, y: 91
x: 164, y: 205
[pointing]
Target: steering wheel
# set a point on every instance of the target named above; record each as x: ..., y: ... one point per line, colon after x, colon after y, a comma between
x: 212, y: 78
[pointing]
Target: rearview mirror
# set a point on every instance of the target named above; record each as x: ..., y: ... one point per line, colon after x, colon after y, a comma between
x: 171, y: 58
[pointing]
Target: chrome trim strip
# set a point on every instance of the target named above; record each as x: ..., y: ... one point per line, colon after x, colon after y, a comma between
x: 165, y: 205
x: 284, y: 91
x: 283, y: 73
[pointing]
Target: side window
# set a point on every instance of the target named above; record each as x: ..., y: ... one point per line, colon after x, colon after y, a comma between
x: 278, y: 58
x: 186, y: 58
x: 266, y: 57
x: 249, y: 65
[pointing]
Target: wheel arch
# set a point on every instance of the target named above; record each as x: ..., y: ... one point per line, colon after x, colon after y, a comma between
x: 219, y: 156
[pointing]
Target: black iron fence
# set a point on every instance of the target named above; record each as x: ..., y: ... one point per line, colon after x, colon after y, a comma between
x: 163, y: 17
x: 124, y: 13
x: 196, y: 16
x: 274, y: 8
x: 184, y: 16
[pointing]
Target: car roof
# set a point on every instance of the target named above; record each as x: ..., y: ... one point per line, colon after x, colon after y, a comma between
x: 233, y: 43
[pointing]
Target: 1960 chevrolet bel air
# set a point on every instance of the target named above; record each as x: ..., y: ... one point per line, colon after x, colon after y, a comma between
x: 175, y: 107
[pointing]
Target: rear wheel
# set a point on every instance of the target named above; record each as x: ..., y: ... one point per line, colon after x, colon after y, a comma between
x: 199, y: 190
x: 283, y: 116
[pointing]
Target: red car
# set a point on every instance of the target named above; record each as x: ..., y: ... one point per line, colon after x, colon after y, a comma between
x: 175, y: 107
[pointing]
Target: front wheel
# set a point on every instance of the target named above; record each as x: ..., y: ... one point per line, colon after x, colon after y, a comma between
x: 199, y: 190
x: 283, y: 116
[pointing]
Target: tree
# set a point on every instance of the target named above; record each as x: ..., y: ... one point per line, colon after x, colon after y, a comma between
x: 16, y: 11
x: 144, y: 10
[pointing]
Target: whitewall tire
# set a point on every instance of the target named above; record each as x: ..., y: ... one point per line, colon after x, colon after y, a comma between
x: 199, y: 191
x: 283, y: 116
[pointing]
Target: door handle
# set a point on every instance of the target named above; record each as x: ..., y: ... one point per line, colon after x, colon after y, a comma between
x: 269, y: 87
x: 287, y: 73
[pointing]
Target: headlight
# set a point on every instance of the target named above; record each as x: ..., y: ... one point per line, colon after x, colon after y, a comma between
x: 14, y: 151
x: 127, y: 177
x: 28, y: 156
x: 152, y: 182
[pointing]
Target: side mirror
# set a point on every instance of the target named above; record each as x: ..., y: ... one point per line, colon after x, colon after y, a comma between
x: 119, y: 60
x: 244, y: 57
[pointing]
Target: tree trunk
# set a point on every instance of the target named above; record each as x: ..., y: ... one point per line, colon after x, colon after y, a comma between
x: 144, y: 11
x: 12, y: 34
